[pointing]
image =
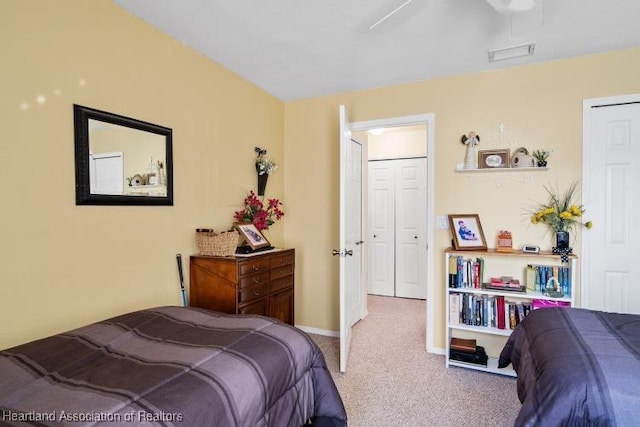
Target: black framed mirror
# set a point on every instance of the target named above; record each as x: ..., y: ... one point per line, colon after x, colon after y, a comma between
x: 120, y: 160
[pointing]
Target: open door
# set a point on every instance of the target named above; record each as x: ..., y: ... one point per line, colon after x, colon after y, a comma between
x: 350, y: 251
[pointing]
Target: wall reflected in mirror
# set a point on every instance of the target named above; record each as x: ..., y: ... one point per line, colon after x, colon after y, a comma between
x: 125, y: 161
x: 120, y: 160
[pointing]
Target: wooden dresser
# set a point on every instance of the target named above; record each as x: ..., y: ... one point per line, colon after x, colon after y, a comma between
x: 255, y: 284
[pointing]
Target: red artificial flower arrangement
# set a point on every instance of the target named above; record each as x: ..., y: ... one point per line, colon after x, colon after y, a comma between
x: 255, y: 211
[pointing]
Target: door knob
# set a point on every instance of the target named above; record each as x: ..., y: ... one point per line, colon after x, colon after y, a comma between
x: 335, y: 252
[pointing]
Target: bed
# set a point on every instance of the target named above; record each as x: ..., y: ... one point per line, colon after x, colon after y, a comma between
x: 576, y: 367
x: 171, y: 366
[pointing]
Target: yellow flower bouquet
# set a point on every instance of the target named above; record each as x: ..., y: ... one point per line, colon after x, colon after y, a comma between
x: 561, y: 212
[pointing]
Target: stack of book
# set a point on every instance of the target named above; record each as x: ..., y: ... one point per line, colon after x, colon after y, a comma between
x: 466, y: 350
x: 491, y: 311
x: 504, y: 283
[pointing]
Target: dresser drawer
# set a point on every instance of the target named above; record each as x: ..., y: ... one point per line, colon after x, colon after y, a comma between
x: 252, y: 293
x: 254, y: 266
x: 258, y: 307
x: 279, y: 272
x: 254, y: 279
x: 283, y: 259
x: 282, y: 283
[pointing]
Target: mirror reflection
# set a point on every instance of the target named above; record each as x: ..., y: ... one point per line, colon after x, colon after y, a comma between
x: 120, y: 160
x: 125, y: 161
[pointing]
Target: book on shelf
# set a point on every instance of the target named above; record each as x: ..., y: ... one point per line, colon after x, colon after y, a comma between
x: 473, y: 309
x: 454, y: 308
x: 516, y: 312
x: 463, y: 344
x: 478, y: 357
x: 539, y: 277
x: 489, y: 311
x: 504, y: 283
x: 500, y: 312
x: 453, y: 272
x: 492, y: 287
x: 465, y: 272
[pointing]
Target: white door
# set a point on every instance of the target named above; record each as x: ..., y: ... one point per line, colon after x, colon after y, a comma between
x: 106, y: 173
x: 351, y: 155
x: 411, y: 228
x: 381, y: 234
x: 611, y: 196
x: 397, y: 228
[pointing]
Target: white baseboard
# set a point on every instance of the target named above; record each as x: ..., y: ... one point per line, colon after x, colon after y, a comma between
x: 324, y: 332
x: 436, y: 350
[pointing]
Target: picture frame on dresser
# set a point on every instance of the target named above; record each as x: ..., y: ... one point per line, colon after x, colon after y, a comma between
x: 466, y: 232
x: 251, y: 235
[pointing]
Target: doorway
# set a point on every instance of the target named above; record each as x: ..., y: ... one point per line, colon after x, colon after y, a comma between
x: 428, y: 122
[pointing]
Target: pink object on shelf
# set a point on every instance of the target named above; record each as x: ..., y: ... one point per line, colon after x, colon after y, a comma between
x: 542, y: 303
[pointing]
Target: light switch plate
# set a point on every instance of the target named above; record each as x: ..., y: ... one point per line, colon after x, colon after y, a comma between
x: 442, y: 223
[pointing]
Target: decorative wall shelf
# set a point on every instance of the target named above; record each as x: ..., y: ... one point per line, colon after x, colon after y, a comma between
x: 502, y: 170
x: 499, y: 175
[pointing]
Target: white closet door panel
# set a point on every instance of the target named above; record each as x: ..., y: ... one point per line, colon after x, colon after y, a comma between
x: 381, y: 228
x: 410, y: 230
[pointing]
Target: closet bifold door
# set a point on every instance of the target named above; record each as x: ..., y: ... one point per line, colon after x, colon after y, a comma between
x: 397, y: 227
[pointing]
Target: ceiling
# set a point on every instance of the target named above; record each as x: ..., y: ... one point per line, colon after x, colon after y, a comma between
x: 297, y: 49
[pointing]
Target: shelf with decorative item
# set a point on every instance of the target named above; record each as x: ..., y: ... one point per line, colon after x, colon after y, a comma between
x: 485, y: 312
x: 502, y: 170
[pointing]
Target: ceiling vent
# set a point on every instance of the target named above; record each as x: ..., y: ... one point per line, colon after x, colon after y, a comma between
x: 511, y: 52
x: 509, y: 7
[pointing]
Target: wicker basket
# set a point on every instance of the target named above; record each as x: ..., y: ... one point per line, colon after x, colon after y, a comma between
x: 217, y: 244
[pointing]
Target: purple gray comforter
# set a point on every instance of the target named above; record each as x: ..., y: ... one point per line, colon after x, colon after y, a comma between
x: 576, y: 367
x: 170, y: 366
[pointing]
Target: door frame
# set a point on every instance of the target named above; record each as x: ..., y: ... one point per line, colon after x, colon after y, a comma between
x: 427, y: 119
x: 587, y: 143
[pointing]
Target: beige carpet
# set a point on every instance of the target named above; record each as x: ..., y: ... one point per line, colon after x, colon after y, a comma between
x: 392, y: 381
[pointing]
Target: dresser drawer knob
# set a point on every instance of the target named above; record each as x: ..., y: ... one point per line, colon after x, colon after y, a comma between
x: 256, y: 280
x: 256, y: 292
x: 255, y: 268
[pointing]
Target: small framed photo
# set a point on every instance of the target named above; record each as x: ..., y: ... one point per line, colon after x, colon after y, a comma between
x: 467, y: 233
x: 489, y: 159
x: 251, y: 235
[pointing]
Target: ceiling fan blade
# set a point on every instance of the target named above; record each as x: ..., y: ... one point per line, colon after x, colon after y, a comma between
x: 389, y: 15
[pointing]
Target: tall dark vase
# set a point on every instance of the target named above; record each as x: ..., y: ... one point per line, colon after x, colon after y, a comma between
x: 562, y: 239
x: 262, y: 184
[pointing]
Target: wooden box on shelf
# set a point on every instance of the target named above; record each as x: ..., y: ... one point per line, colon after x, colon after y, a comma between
x: 488, y: 315
x: 262, y: 283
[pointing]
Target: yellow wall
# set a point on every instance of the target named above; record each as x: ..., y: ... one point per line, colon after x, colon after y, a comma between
x: 540, y: 106
x: 409, y: 141
x: 63, y: 265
